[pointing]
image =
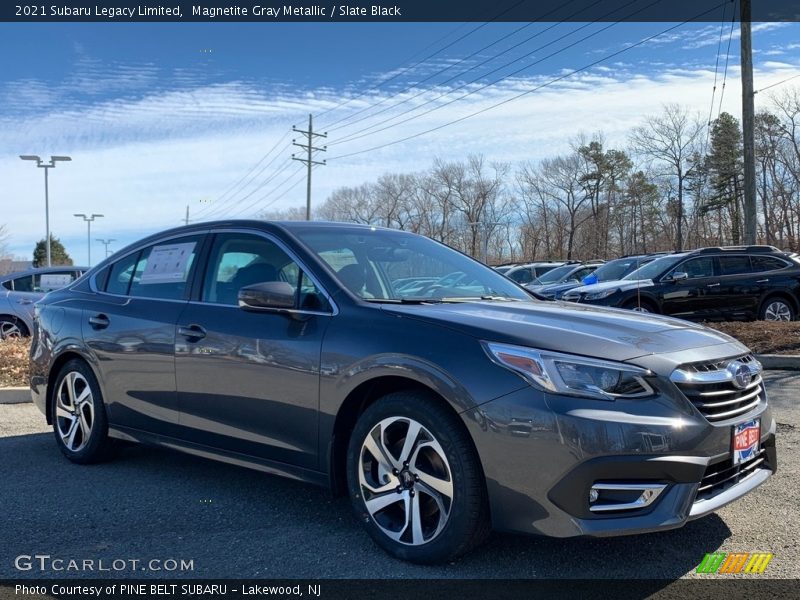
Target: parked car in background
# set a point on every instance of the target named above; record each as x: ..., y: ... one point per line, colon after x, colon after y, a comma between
x: 610, y: 271
x: 732, y: 282
x: 572, y: 272
x: 503, y: 269
x: 18, y: 292
x: 286, y: 347
x: 526, y: 273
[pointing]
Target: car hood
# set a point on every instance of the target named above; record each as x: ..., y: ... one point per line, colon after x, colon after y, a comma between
x: 577, y: 329
x: 618, y: 284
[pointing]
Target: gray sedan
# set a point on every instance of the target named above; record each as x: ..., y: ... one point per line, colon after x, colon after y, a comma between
x: 18, y: 292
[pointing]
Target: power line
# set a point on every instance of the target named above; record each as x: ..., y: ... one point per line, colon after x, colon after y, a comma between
x: 365, y: 131
x: 270, y: 192
x: 336, y: 124
x: 416, y: 64
x: 235, y: 202
x: 727, y: 57
x: 772, y: 85
x: 525, y: 93
x: 286, y: 191
x: 211, y: 207
x: 716, y: 71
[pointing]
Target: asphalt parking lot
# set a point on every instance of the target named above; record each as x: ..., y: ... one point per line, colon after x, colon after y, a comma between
x: 231, y: 522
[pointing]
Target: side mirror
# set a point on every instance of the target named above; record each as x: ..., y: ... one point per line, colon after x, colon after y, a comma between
x: 680, y: 276
x: 275, y: 295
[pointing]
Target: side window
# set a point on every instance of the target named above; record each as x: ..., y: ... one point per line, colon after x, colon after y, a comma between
x: 163, y: 269
x: 54, y: 281
x: 23, y: 284
x: 766, y: 263
x: 734, y: 265
x: 695, y: 268
x: 522, y: 276
x: 238, y: 260
x: 119, y: 277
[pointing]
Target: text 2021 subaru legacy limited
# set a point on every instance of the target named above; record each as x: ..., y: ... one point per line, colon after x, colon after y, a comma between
x: 462, y: 406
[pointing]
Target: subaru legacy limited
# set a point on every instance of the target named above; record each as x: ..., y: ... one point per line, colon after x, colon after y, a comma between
x: 461, y: 406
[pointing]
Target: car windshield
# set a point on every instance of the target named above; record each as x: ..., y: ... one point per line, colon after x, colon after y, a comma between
x: 616, y: 269
x: 556, y: 275
x: 395, y: 266
x: 655, y: 268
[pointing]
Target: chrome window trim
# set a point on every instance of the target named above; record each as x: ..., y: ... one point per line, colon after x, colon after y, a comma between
x: 93, y: 285
x: 293, y: 256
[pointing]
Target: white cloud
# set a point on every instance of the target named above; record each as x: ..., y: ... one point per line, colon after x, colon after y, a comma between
x: 140, y: 161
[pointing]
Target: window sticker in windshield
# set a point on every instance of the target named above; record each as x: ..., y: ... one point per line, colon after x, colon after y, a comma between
x: 168, y: 263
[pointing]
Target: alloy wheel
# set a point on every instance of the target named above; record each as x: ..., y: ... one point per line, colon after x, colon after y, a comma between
x: 405, y: 480
x: 777, y: 311
x: 74, y: 411
x: 9, y: 329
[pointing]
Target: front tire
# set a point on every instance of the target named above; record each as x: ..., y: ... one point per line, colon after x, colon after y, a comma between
x: 415, y: 481
x: 645, y: 306
x: 79, y: 417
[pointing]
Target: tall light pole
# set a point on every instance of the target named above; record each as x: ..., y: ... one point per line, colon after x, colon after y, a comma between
x: 46, y: 167
x: 88, y: 219
x: 106, y: 243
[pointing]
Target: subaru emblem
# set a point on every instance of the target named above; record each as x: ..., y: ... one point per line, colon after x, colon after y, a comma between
x: 740, y: 374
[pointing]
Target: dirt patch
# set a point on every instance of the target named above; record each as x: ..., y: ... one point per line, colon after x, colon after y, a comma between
x: 14, y: 362
x: 763, y: 337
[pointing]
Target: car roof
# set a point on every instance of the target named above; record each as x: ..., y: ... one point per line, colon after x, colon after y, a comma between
x: 42, y: 270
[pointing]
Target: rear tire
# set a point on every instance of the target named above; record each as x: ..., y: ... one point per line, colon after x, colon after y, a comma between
x: 423, y: 501
x: 79, y: 416
x: 776, y: 308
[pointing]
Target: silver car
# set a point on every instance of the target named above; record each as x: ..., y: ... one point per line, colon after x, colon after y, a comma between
x: 18, y: 292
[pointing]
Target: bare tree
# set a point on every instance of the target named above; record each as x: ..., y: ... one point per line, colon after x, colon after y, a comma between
x: 4, y: 237
x: 671, y: 139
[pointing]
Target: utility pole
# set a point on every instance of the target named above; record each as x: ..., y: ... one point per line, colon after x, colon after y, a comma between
x: 106, y: 243
x: 310, y: 134
x: 46, y: 167
x: 748, y: 124
x: 88, y: 219
x: 186, y: 219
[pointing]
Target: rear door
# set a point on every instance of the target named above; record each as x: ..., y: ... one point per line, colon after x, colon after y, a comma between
x: 738, y: 292
x: 130, y: 327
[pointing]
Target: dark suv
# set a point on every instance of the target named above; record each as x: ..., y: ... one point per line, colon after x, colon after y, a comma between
x: 733, y: 282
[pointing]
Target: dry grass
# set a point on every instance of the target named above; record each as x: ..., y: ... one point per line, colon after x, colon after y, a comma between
x: 763, y: 337
x: 14, y: 362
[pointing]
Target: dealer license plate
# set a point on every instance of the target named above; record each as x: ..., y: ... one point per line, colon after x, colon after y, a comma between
x: 745, y: 440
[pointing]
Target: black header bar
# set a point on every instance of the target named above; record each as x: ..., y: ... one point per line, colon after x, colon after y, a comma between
x: 274, y: 11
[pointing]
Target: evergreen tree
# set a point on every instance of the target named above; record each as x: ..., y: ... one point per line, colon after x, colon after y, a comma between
x: 58, y: 254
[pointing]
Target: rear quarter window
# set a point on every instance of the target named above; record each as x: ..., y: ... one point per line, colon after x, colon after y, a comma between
x: 767, y: 263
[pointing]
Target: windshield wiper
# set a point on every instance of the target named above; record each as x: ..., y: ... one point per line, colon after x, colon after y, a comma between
x: 446, y: 299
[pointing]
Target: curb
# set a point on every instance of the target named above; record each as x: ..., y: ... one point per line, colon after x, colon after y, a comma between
x: 15, y: 395
x: 779, y: 362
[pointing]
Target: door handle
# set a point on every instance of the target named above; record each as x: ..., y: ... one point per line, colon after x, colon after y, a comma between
x: 99, y: 321
x: 762, y: 280
x: 192, y: 332
x: 713, y: 285
x: 24, y: 301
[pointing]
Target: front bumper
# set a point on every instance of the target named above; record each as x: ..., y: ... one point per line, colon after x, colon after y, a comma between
x: 542, y: 454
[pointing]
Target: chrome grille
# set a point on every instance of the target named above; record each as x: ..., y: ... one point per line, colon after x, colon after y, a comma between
x: 722, y: 475
x: 712, y: 388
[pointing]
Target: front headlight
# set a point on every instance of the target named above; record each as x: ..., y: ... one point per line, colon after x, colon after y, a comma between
x: 600, y: 295
x: 573, y: 375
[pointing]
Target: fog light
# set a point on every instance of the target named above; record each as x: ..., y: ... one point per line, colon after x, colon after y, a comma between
x: 593, y: 495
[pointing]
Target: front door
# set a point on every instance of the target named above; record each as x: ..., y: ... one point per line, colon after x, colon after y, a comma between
x: 248, y: 381
x: 695, y: 297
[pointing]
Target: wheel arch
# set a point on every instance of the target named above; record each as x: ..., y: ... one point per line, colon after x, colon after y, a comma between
x: 644, y: 298
x: 55, y: 369
x: 17, y: 319
x: 354, y: 405
x: 785, y: 295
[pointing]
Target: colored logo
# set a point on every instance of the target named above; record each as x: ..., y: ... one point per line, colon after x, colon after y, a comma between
x: 736, y: 562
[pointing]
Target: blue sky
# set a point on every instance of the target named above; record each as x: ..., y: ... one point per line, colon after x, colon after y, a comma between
x: 158, y: 116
